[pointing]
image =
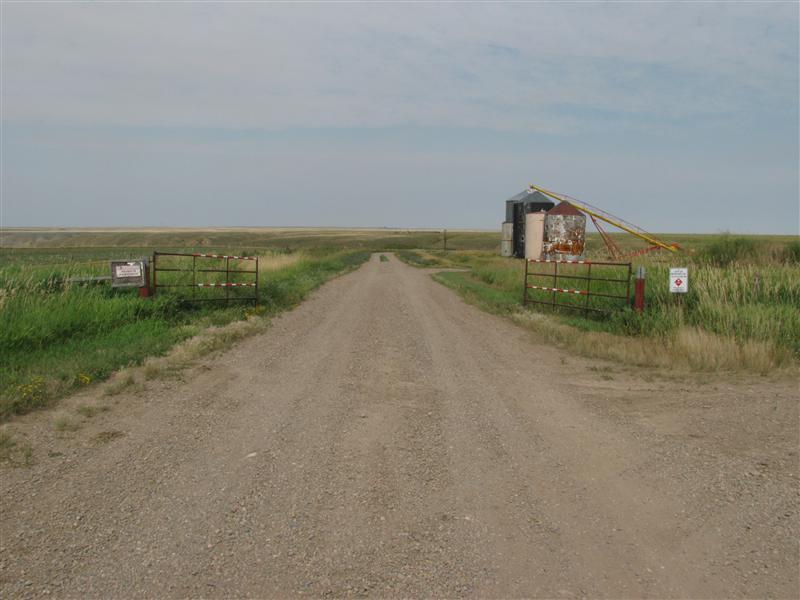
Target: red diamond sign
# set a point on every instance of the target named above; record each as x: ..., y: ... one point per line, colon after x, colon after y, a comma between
x: 679, y: 280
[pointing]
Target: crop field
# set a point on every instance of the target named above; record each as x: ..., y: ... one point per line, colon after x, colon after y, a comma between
x: 58, y: 333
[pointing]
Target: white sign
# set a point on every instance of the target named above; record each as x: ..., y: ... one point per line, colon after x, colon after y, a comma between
x: 128, y: 273
x: 129, y: 270
x: 679, y: 280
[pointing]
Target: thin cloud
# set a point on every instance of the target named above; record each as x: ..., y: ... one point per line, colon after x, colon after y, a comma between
x: 398, y: 114
x: 277, y: 66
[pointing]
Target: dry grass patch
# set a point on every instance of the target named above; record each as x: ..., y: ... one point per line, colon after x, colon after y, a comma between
x: 105, y: 437
x: 66, y: 424
x: 277, y: 261
x: 213, y: 339
x: 89, y: 411
x: 210, y: 340
x: 121, y: 381
x: 14, y: 452
x: 7, y: 445
x: 689, y: 348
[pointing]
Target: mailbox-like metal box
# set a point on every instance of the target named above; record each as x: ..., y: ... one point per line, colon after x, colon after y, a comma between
x: 128, y: 273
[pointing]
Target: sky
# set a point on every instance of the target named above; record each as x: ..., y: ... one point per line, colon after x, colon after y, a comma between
x: 679, y: 117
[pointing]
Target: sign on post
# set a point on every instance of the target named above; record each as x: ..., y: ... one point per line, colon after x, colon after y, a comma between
x: 679, y: 280
x: 128, y: 273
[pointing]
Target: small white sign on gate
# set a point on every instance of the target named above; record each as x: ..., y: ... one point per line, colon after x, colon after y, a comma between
x: 679, y: 280
x: 128, y: 273
x: 128, y: 270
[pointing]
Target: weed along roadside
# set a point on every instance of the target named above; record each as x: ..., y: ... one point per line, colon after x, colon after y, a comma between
x: 740, y: 313
x: 63, y: 328
x: 57, y: 336
x: 382, y: 406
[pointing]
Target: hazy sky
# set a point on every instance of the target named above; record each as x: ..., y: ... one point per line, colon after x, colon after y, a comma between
x: 676, y: 116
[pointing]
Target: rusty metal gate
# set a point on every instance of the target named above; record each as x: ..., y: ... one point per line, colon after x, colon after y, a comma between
x: 205, y: 276
x: 611, y: 290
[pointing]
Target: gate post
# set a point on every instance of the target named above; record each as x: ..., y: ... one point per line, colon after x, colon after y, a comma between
x: 255, y: 302
x: 638, y: 293
x: 525, y: 285
x: 155, y: 274
x: 144, y: 291
x: 555, y: 281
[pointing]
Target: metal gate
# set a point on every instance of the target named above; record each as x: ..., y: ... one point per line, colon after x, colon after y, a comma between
x: 206, y: 276
x: 611, y: 290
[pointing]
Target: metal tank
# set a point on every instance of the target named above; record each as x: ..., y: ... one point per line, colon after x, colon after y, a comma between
x: 507, y: 239
x: 510, y: 210
x: 534, y: 235
x: 526, y: 202
x: 565, y: 232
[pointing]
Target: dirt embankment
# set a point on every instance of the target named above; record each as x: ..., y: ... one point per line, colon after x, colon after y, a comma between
x: 386, y: 439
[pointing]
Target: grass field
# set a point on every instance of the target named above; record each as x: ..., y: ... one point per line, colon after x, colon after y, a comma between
x: 57, y: 336
x: 742, y: 311
x: 47, y: 242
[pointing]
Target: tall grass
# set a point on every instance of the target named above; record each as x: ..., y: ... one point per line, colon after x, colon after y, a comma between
x: 33, y: 321
x: 741, y: 301
x: 288, y: 286
x: 728, y: 249
x: 791, y: 253
x: 56, y: 336
x: 47, y: 242
x: 742, y: 310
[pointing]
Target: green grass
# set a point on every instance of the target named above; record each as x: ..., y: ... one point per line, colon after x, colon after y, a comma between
x: 56, y: 337
x: 46, y: 243
x: 287, y: 287
x: 415, y: 258
x: 743, y: 304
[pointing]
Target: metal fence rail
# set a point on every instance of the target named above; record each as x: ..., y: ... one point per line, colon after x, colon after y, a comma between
x: 580, y: 270
x: 178, y: 267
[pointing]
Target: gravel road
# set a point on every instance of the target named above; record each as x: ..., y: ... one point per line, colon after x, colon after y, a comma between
x: 385, y: 439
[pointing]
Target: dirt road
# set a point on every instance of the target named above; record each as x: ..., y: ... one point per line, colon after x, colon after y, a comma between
x: 386, y: 439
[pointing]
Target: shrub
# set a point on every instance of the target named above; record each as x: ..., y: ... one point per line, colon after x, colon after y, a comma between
x: 727, y: 249
x: 791, y: 252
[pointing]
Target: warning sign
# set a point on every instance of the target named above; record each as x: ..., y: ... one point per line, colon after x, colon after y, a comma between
x: 128, y: 270
x: 128, y: 273
x: 679, y: 280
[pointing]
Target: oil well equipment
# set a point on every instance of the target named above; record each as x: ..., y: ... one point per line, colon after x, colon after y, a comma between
x: 538, y: 228
x: 528, y: 202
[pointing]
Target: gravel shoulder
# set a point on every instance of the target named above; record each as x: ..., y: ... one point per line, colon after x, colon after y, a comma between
x: 387, y: 439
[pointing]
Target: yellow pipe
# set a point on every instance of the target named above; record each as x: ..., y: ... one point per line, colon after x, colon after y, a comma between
x: 647, y: 238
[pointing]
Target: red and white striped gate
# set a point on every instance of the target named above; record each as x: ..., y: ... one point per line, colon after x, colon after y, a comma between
x: 178, y: 273
x: 548, y: 286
